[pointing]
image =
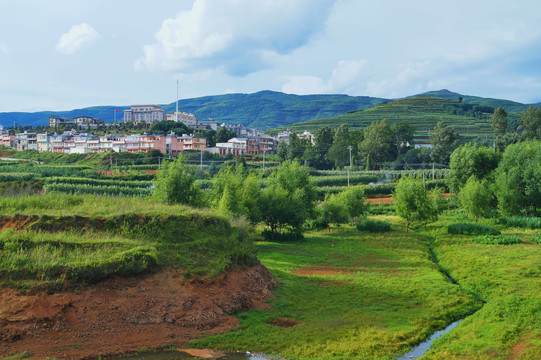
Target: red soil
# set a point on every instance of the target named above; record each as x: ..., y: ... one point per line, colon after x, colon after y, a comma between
x: 122, y: 315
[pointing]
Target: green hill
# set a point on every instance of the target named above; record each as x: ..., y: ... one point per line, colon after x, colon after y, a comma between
x: 423, y: 112
x: 261, y: 110
x: 510, y: 106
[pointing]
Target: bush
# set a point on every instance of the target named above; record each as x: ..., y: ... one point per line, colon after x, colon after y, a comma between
x: 373, y: 226
x: 472, y: 229
x: 521, y: 222
x: 536, y: 239
x: 498, y: 240
x: 285, y: 236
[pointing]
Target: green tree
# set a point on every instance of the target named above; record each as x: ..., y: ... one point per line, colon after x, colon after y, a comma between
x: 518, y: 179
x: 222, y: 135
x: 354, y: 200
x: 168, y: 126
x: 333, y: 211
x: 378, y: 141
x: 339, y: 152
x: 281, y: 151
x: 290, y: 183
x: 296, y: 147
x: 318, y: 155
x: 443, y: 143
x: 530, y: 120
x: 175, y: 184
x: 411, y: 201
x: 403, y: 134
x: 499, y: 124
x: 477, y: 198
x: 471, y: 159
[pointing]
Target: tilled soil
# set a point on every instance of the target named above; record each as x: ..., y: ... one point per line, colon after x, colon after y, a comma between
x: 121, y: 315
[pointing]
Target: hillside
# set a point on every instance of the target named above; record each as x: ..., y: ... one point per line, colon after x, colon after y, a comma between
x: 261, y: 110
x: 510, y: 106
x: 423, y: 112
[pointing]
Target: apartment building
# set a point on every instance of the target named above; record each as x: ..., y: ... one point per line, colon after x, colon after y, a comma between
x: 27, y: 141
x: 144, y: 113
x: 8, y: 140
x: 185, y: 118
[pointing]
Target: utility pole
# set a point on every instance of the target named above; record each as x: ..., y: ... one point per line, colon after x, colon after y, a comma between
x: 201, y: 159
x: 432, y: 170
x: 350, y: 148
x: 111, y: 162
x: 159, y: 163
x: 264, y: 152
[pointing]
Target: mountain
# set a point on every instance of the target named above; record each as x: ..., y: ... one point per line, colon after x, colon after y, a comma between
x: 423, y: 112
x: 269, y: 109
x: 261, y: 110
x: 510, y: 106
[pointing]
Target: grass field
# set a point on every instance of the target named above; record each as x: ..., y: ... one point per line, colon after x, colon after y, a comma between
x: 347, y: 294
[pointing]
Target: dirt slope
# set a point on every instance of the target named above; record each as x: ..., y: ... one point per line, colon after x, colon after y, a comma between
x: 121, y: 315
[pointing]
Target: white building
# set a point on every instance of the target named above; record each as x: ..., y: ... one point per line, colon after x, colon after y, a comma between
x: 144, y: 113
x: 185, y: 118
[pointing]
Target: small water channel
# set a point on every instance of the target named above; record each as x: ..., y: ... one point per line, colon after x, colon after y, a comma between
x: 422, y: 348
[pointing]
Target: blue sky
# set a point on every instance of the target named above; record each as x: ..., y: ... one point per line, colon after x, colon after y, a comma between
x: 61, y: 55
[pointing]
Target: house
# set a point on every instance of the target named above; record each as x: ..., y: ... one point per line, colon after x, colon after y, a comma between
x: 144, y: 113
x: 185, y: 118
x: 27, y: 141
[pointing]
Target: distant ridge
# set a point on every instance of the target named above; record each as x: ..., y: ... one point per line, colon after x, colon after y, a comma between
x: 262, y: 110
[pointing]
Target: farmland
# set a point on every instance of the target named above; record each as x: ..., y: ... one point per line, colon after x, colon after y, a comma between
x: 421, y: 112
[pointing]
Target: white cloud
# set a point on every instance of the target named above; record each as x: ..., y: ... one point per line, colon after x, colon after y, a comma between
x: 235, y: 35
x: 77, y: 38
x: 346, y: 78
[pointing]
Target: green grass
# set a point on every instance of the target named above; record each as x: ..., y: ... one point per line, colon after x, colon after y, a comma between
x: 83, y: 239
x: 353, y: 296
x: 508, y: 279
x: 497, y: 239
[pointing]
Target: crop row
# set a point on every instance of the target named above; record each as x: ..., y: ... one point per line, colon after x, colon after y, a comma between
x: 99, y: 182
x: 46, y: 171
x: 337, y: 180
x: 97, y: 190
x: 385, y: 175
x: 383, y: 189
x: 16, y: 177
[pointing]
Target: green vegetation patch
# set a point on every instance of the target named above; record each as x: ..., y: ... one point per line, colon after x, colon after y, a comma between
x: 129, y: 236
x: 472, y: 229
x: 373, y: 226
x: 498, y: 239
x: 526, y: 222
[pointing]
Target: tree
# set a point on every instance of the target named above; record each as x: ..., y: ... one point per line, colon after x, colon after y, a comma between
x: 281, y: 151
x: 411, y: 201
x: 318, y: 155
x: 403, y: 134
x: 499, y: 124
x: 175, y: 184
x: 471, y: 159
x: 378, y: 141
x: 333, y: 211
x: 295, y: 148
x: 477, y: 198
x: 518, y: 178
x: 339, y: 152
x: 531, y: 122
x: 289, y: 198
x: 168, y: 126
x: 354, y: 200
x: 443, y: 143
x: 222, y: 135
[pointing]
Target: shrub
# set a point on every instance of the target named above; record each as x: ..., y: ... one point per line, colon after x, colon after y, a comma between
x: 536, y: 239
x: 285, y: 236
x: 472, y: 229
x: 521, y: 222
x: 373, y: 226
x: 498, y: 239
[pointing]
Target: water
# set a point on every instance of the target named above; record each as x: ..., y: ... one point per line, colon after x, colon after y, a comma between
x: 421, y: 349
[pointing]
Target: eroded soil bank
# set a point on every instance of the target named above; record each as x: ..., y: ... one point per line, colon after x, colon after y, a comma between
x: 121, y: 315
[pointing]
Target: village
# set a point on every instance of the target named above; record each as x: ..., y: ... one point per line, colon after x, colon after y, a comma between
x: 76, y: 137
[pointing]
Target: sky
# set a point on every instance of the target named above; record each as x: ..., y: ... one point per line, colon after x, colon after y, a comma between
x: 63, y: 55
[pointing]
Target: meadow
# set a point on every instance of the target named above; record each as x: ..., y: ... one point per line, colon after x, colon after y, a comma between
x: 347, y: 294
